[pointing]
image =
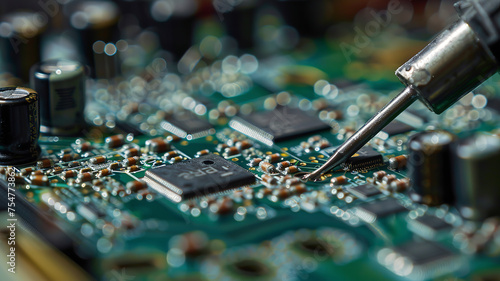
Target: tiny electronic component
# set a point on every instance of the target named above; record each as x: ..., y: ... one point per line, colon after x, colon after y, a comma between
x: 398, y: 162
x: 370, y: 212
x: 19, y: 125
x: 282, y: 123
x: 419, y: 260
x: 364, y: 191
x: 61, y: 86
x: 428, y: 226
x: 186, y: 124
x: 207, y: 174
x: 366, y: 158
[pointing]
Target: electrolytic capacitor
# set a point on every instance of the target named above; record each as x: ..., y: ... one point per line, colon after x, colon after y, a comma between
x: 20, y: 42
x: 61, y: 87
x: 429, y: 167
x: 19, y: 125
x: 476, y: 168
x: 175, y: 21
x: 93, y: 21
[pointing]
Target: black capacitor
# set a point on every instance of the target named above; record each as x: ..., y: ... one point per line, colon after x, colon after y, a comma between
x: 93, y: 21
x: 476, y: 170
x: 308, y: 17
x: 429, y: 167
x: 19, y: 126
x: 174, y: 21
x: 20, y: 40
x: 239, y: 22
x: 60, y: 85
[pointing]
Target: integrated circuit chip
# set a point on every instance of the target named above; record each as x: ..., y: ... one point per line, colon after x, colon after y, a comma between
x: 366, y: 158
x: 282, y: 123
x: 197, y: 177
x: 186, y: 124
x: 370, y: 212
x: 364, y: 191
x: 419, y: 260
x: 394, y: 128
x: 428, y: 226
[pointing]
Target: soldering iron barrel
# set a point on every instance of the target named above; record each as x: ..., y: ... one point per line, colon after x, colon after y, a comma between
x: 452, y: 65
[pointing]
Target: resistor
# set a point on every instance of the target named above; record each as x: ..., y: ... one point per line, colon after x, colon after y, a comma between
x: 291, y: 170
x: 255, y: 162
x: 157, y: 145
x: 130, y: 161
x: 269, y: 179
x: 273, y: 158
x: 137, y: 185
x: 98, y: 160
x: 377, y: 176
x: 132, y: 152
x: 339, y: 180
x: 45, y: 163
x: 283, y: 165
x: 114, y: 141
x: 242, y: 145
x: 267, y: 167
x: 398, y: 162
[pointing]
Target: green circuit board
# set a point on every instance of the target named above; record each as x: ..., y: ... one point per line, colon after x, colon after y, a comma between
x: 262, y: 222
x: 197, y: 174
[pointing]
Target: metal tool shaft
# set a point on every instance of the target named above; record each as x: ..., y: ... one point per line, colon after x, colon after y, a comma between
x: 367, y: 132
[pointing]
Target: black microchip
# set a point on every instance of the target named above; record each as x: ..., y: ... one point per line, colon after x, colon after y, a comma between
x: 197, y: 177
x: 423, y: 252
x: 366, y: 158
x: 396, y: 127
x: 186, y: 124
x: 364, y: 191
x: 282, y: 123
x: 371, y: 211
x: 428, y: 226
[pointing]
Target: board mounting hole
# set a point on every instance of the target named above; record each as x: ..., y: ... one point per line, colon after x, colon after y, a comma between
x: 208, y: 162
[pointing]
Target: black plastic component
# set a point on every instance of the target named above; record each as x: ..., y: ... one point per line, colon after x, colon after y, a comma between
x: 61, y: 87
x: 20, y: 43
x: 364, y: 191
x: 197, y: 177
x: 476, y: 167
x: 430, y: 167
x: 19, y: 126
x: 93, y: 21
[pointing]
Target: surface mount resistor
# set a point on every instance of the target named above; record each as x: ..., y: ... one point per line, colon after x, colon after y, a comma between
x: 339, y: 180
x: 267, y: 167
x: 398, y: 162
x: 98, y: 160
x: 114, y: 141
x: 157, y: 145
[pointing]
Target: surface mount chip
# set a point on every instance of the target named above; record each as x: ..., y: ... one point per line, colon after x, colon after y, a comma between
x: 197, y: 177
x: 366, y: 158
x: 364, y: 191
x: 419, y: 260
x: 428, y: 226
x: 280, y: 124
x: 186, y: 124
x: 371, y: 211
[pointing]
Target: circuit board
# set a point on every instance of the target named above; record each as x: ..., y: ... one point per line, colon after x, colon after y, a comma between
x: 197, y: 175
